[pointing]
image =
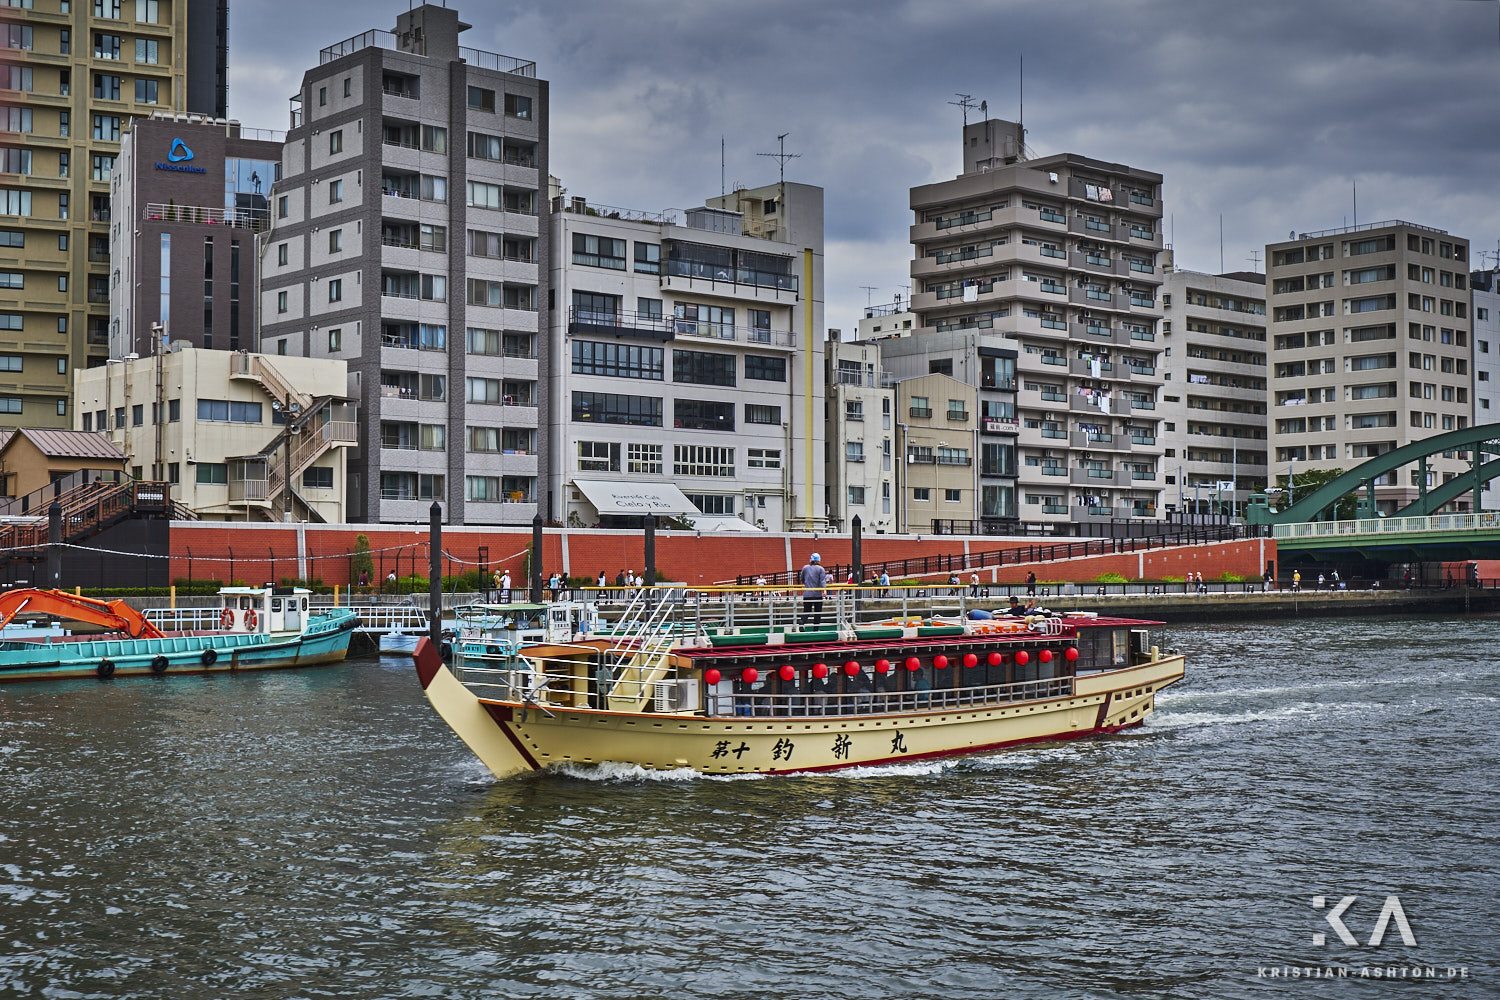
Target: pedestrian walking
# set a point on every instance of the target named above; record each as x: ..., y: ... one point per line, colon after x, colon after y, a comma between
x: 885, y: 583
x: 1320, y: 582
x: 505, y: 587
x: 973, y: 584
x: 814, y: 578
x: 1266, y: 582
x: 1030, y: 584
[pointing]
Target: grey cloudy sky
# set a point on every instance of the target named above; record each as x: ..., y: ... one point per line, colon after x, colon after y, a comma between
x: 1263, y: 110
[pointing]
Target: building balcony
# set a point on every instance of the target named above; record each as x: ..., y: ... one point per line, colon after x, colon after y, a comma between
x: 1091, y: 263
x: 740, y: 281
x: 1091, y: 477
x: 1099, y: 442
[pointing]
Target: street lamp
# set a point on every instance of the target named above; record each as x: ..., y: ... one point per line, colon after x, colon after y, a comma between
x: 289, y: 411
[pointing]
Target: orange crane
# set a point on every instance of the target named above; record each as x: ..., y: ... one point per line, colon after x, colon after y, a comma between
x: 61, y: 604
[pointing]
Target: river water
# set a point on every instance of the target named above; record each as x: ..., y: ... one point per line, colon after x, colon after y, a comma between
x: 320, y: 833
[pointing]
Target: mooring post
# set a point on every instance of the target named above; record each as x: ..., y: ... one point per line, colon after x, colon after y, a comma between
x: 54, y: 545
x: 856, y: 558
x: 650, y: 571
x: 435, y: 575
x: 536, y: 559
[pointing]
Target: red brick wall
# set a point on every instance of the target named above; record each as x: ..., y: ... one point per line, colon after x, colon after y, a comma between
x: 257, y: 549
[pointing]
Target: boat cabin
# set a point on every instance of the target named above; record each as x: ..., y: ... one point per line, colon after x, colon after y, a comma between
x: 509, y: 627
x: 264, y: 610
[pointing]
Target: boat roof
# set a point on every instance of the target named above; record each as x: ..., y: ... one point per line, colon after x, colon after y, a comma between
x: 262, y: 591
x: 505, y: 607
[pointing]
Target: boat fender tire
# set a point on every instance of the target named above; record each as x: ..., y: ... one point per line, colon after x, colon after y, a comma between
x: 158, y: 664
x: 106, y: 668
x: 209, y: 656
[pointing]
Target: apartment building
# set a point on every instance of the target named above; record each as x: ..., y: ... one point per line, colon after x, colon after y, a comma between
x: 861, y: 472
x: 986, y: 362
x: 1485, y: 287
x: 1370, y: 350
x: 226, y: 427
x: 409, y: 227
x: 1212, y: 408
x: 191, y: 194
x: 1060, y: 255
x: 688, y: 380
x: 72, y: 75
x: 936, y: 439
x: 886, y: 319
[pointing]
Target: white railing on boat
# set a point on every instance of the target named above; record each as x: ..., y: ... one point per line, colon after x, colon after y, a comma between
x: 374, y: 618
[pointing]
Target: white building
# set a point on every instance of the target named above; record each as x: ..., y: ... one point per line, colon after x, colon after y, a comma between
x: 688, y: 376
x: 1212, y: 405
x: 861, y: 472
x: 214, y: 423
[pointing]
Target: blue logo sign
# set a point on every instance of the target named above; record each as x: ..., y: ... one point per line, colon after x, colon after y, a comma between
x: 177, y: 159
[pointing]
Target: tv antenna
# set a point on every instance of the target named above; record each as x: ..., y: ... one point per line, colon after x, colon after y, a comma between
x: 869, y: 292
x: 966, y: 102
x: 1254, y: 260
x: 782, y: 155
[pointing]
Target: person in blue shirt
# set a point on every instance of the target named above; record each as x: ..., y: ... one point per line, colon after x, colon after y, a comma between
x: 814, y: 578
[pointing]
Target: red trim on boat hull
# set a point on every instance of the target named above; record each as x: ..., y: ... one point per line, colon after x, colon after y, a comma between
x: 428, y: 660
x: 502, y: 715
x: 957, y: 752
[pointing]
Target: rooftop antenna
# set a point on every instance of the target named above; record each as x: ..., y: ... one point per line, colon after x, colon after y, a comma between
x: 965, y: 101
x: 869, y: 291
x: 1021, y: 101
x: 721, y: 166
x: 782, y: 156
x: 1356, y: 203
x: 1254, y: 260
x: 1221, y: 242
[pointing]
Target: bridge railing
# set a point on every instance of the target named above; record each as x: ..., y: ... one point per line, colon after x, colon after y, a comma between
x: 1388, y: 526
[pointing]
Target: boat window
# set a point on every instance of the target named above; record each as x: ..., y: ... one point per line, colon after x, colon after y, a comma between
x: 276, y: 605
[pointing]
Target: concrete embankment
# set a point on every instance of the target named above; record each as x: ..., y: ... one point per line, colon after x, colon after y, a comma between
x: 1282, y: 604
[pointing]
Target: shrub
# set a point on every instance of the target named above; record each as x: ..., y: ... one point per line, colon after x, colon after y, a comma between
x: 1110, y: 578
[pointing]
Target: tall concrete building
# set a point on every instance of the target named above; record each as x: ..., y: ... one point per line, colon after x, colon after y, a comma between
x: 1213, y: 400
x: 1370, y: 350
x: 409, y: 227
x: 1485, y: 287
x: 1060, y: 254
x: 72, y: 75
x: 687, y: 375
x: 196, y: 193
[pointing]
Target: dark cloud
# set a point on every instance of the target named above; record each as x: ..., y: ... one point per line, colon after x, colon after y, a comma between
x: 1265, y: 112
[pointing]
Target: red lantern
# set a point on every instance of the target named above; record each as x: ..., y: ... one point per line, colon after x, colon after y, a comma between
x: 711, y: 676
x: 1045, y: 656
x: 995, y: 659
x: 1070, y: 654
x: 787, y: 673
x: 913, y: 664
x: 1022, y: 657
x: 970, y: 660
x: 940, y: 661
x: 820, y: 670
x: 851, y: 668
x: 749, y: 675
x: 882, y: 666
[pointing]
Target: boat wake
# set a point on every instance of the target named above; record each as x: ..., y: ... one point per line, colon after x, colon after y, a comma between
x: 611, y: 771
x: 1166, y: 720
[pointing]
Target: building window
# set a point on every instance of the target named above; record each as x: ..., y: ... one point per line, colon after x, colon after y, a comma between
x: 107, y: 128
x: 856, y: 496
x: 106, y: 46
x: 322, y: 97
x: 765, y: 369
x: 598, y: 456
x: 759, y: 413
x: 763, y: 458
x: 335, y: 141
x: 516, y: 105
x: 227, y: 411
x: 281, y: 207
x: 281, y: 255
x: 106, y: 87
x: 953, y: 496
x: 145, y: 91
x: 643, y: 459
x: 703, y: 368
x: 612, y: 408
x: 335, y: 240
x: 702, y: 460
x: 481, y: 99
x: 145, y: 51
x: 335, y: 289
x: 335, y: 192
x: 616, y: 360
x: 921, y: 494
x: 213, y: 474
x: 702, y: 415
x: 348, y: 88
x: 598, y: 251
x: 318, y: 478
x: 648, y: 258
x: 335, y: 340
x: 281, y: 302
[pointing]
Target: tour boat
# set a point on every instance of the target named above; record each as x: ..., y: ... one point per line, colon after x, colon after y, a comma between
x: 259, y: 628
x: 728, y: 683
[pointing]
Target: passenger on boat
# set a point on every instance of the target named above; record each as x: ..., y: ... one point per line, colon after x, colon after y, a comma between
x: 603, y: 681
x: 1014, y: 608
x: 814, y: 578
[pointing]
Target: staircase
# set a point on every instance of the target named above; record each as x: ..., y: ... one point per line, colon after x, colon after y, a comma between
x: 639, y: 658
x: 87, y: 509
x: 317, y: 433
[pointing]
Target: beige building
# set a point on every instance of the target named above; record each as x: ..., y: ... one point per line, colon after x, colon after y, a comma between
x: 1059, y: 253
x: 1371, y: 349
x: 860, y: 402
x: 936, y: 419
x: 33, y: 457
x: 73, y: 76
x: 1213, y: 400
x: 216, y: 425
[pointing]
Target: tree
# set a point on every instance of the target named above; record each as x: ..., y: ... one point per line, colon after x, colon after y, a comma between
x: 360, y: 561
x: 1303, y: 484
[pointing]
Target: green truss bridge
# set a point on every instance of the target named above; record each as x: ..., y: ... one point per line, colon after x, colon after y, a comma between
x: 1306, y: 532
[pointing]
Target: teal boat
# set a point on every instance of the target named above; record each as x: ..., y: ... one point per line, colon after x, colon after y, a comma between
x: 260, y: 628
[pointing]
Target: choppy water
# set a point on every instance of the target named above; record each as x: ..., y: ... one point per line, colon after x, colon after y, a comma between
x: 322, y: 834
